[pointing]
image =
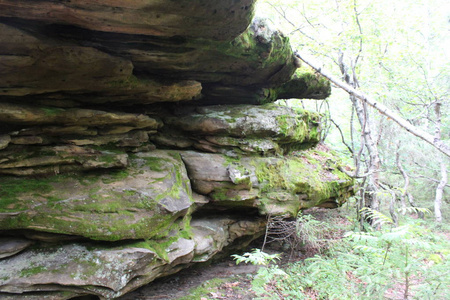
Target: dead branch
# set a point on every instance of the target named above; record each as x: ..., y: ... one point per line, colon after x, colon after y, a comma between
x: 384, y: 110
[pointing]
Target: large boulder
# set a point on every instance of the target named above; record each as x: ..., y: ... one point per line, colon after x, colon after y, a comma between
x: 163, y: 18
x: 145, y: 52
x: 273, y: 185
x: 242, y: 128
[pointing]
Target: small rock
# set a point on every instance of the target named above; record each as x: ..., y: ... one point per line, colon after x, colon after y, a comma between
x: 11, y: 246
x: 4, y: 141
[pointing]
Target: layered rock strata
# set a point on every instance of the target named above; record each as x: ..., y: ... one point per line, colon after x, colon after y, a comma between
x: 131, y: 146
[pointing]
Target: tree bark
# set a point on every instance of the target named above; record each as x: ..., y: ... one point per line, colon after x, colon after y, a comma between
x: 443, y: 182
x: 440, y: 193
x: 392, y: 208
x: 368, y: 141
x: 405, y: 193
x: 405, y: 177
x: 437, y: 143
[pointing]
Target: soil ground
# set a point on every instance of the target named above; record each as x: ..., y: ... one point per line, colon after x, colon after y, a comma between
x: 222, y: 280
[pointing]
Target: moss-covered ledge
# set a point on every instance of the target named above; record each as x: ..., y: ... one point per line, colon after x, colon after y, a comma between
x: 109, y: 270
x: 304, y: 84
x: 264, y: 129
x: 272, y: 185
x: 145, y: 200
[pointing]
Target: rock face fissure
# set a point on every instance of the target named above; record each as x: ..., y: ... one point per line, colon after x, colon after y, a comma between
x: 140, y: 137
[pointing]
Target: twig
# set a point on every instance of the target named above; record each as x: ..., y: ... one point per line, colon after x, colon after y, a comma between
x: 342, y: 136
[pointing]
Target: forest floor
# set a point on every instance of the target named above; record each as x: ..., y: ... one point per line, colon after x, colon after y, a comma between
x: 219, y: 280
x: 222, y: 280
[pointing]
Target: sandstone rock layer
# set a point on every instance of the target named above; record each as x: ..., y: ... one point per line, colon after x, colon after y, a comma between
x: 139, y: 137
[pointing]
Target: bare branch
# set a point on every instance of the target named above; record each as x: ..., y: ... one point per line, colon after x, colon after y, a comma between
x: 360, y: 36
x: 342, y: 136
x: 427, y: 178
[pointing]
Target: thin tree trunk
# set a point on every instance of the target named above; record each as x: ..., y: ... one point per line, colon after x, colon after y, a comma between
x: 405, y: 177
x: 437, y: 143
x: 443, y: 182
x: 362, y: 113
x: 392, y: 208
x: 440, y: 193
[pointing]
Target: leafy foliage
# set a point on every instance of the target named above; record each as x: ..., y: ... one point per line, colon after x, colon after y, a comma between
x: 256, y: 257
x: 409, y: 261
x: 377, y: 217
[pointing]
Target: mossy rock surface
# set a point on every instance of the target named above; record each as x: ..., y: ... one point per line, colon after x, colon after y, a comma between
x: 75, y: 268
x: 273, y: 185
x: 140, y: 201
x: 110, y: 270
x: 265, y: 129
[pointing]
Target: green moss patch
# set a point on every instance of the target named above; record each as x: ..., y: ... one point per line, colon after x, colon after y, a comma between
x: 142, y: 201
x: 11, y: 188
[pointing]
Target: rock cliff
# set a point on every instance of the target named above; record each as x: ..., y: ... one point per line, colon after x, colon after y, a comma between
x: 139, y: 137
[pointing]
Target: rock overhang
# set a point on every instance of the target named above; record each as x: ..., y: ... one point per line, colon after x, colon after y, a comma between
x: 52, y: 56
x: 130, y: 135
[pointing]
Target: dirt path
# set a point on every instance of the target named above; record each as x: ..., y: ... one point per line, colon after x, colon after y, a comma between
x: 237, y: 285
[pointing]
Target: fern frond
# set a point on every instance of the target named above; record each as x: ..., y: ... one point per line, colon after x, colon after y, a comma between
x: 368, y: 249
x: 414, y: 210
x: 397, y: 234
x: 377, y: 217
x: 360, y: 236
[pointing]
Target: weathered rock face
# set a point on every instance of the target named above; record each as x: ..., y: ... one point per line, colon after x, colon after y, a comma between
x: 131, y: 146
x: 75, y: 269
x: 144, y: 52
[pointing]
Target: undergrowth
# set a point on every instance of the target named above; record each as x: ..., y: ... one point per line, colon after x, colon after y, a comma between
x: 408, y: 261
x: 405, y: 261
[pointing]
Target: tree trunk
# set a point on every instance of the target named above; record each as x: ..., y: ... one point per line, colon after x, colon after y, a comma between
x: 440, y: 193
x: 368, y: 141
x: 405, y: 177
x: 374, y: 162
x: 443, y: 182
x: 392, y: 208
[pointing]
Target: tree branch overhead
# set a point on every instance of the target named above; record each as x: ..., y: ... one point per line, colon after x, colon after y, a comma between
x: 384, y: 110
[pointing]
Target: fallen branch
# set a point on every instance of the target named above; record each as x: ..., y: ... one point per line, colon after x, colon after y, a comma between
x: 437, y: 143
